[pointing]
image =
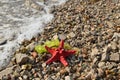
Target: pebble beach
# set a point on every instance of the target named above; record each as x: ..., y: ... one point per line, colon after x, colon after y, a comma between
x: 90, y: 26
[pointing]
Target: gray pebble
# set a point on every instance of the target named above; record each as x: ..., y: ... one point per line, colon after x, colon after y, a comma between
x: 115, y: 57
x: 21, y: 58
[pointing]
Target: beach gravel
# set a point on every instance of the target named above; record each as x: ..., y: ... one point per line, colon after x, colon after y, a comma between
x: 93, y: 27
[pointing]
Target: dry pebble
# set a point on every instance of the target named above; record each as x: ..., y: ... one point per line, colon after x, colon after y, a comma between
x: 21, y: 58
x: 115, y: 57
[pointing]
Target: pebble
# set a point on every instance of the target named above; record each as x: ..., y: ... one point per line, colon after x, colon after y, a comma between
x: 21, y: 58
x: 94, y: 61
x: 31, y: 46
x: 109, y: 66
x: 6, y: 71
x: 68, y: 78
x: 43, y: 65
x: 16, y: 74
x: 55, y: 36
x: 115, y: 57
x: 67, y: 69
x: 106, y: 53
x: 24, y: 67
x: 101, y: 72
x: 20, y: 78
x: 104, y: 57
x: 71, y: 34
x: 94, y: 52
x: 53, y: 77
x: 110, y: 24
x: 62, y: 36
x: 37, y: 79
x: 25, y: 77
x: 101, y: 64
x: 115, y: 35
x: 114, y: 45
x: 115, y: 1
x: 34, y: 54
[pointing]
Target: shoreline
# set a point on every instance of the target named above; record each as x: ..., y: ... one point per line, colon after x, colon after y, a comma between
x: 21, y: 22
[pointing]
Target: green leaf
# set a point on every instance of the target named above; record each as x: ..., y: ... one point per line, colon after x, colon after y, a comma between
x: 52, y: 43
x: 40, y: 49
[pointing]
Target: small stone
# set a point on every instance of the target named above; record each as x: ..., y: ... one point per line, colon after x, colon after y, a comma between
x: 110, y: 24
x: 109, y: 66
x: 68, y: 78
x: 75, y: 28
x: 115, y: 57
x: 31, y: 60
x: 33, y: 71
x: 62, y: 71
x: 12, y: 77
x: 62, y: 36
x: 94, y: 76
x: 67, y: 69
x: 37, y: 60
x: 6, y: 71
x: 58, y: 74
x: 25, y: 77
x: 24, y: 67
x: 104, y: 57
x: 116, y: 35
x: 36, y: 78
x: 115, y: 1
x: 20, y: 78
x: 107, y: 49
x: 34, y: 54
x: 31, y: 46
x: 21, y: 58
x: 94, y: 52
x: 114, y: 45
x: 71, y: 34
x: 43, y: 65
x: 89, y: 74
x: 16, y: 74
x: 94, y: 61
x: 53, y: 77
x: 100, y: 72
x: 55, y: 36
x: 39, y: 75
x: 101, y: 64
x: 29, y: 66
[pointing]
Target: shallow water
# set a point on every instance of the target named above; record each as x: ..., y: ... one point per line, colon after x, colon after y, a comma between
x: 21, y: 20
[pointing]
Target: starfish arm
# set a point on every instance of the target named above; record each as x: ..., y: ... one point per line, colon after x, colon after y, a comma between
x: 69, y: 52
x: 50, y: 50
x: 61, y: 44
x: 53, y: 58
x: 63, y: 61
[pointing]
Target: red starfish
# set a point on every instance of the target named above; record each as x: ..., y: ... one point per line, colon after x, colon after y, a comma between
x: 59, y: 54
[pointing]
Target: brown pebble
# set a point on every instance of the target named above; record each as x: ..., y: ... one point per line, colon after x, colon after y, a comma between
x: 34, y: 54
